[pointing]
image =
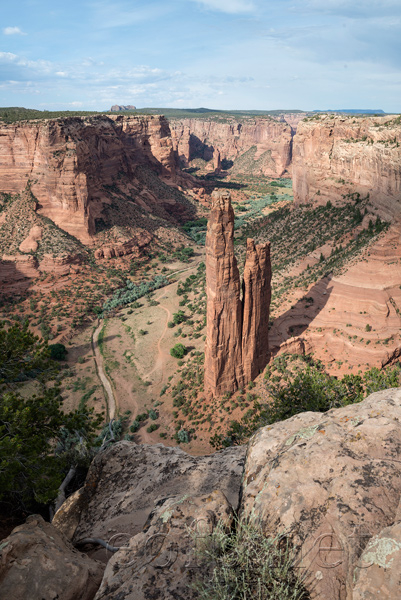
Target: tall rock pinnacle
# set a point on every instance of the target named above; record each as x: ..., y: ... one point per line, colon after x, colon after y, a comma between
x: 237, y: 330
x: 256, y: 302
x: 223, y: 363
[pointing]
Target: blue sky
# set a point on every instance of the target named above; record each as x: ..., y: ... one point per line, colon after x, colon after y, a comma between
x: 224, y: 54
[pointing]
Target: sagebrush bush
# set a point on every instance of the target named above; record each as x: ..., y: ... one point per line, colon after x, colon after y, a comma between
x: 244, y: 564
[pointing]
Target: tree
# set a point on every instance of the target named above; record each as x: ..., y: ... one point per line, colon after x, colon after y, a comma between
x: 39, y: 442
x: 58, y: 351
x: 22, y: 354
x: 179, y: 317
x: 178, y: 351
x: 35, y: 450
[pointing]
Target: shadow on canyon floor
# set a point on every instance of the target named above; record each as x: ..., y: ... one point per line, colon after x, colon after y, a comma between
x: 297, y: 319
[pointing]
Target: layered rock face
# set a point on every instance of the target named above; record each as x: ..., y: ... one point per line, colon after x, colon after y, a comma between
x: 265, y: 145
x: 237, y: 329
x: 336, y: 155
x: 69, y: 163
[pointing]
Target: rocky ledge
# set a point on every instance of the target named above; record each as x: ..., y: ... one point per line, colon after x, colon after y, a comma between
x: 331, y: 481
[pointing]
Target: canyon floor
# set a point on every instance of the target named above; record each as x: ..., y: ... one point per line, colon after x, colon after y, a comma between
x: 336, y: 295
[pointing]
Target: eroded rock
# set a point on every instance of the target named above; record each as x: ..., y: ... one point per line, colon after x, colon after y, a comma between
x: 160, y: 562
x: 332, y: 481
x: 126, y: 482
x: 237, y: 329
x: 37, y: 562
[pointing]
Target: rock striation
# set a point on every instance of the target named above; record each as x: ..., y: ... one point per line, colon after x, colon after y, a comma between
x: 237, y: 328
x: 260, y: 146
x: 71, y: 165
x: 334, y: 156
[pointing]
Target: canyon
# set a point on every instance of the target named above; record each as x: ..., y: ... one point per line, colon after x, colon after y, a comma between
x: 237, y: 346
x: 259, y: 146
x: 335, y: 156
x: 73, y: 165
x: 103, y: 199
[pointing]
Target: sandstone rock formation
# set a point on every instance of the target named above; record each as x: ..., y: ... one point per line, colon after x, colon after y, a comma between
x: 256, y: 304
x: 237, y: 329
x: 30, y: 244
x: 160, y: 561
x: 223, y: 353
x: 72, y: 164
x: 117, y: 107
x: 36, y: 562
x: 337, y: 155
x: 265, y: 145
x: 132, y: 246
x: 292, y: 119
x: 127, y: 481
x: 333, y: 482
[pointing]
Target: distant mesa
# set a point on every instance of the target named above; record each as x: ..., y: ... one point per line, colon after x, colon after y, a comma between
x: 353, y: 111
x: 118, y: 108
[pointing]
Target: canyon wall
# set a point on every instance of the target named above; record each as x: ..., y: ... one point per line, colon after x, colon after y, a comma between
x: 260, y: 146
x: 334, y: 156
x: 69, y: 163
x: 237, y: 329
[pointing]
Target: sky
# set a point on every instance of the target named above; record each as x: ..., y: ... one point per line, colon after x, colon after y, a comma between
x: 221, y: 54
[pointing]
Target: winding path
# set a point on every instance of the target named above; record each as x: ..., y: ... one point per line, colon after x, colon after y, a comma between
x: 111, y: 401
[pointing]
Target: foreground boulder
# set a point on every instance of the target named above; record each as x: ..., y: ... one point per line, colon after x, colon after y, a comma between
x: 37, y: 562
x: 160, y: 562
x: 126, y: 482
x: 332, y: 481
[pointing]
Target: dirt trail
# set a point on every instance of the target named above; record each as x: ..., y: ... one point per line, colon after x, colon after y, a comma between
x: 160, y: 360
x: 111, y: 402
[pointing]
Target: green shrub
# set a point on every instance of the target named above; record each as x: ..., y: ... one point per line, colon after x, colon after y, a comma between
x: 58, y: 351
x: 244, y: 564
x: 178, y: 351
x: 179, y: 317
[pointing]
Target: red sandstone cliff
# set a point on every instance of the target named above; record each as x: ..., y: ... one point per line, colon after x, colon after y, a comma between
x: 337, y: 155
x: 71, y: 162
x: 237, y: 330
x: 266, y: 142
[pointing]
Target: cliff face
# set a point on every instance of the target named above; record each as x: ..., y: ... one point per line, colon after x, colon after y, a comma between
x: 70, y: 162
x: 264, y: 145
x: 336, y: 155
x: 237, y: 330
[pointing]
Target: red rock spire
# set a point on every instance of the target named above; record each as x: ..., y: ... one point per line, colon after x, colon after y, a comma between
x: 237, y: 330
x: 256, y: 302
x: 223, y: 364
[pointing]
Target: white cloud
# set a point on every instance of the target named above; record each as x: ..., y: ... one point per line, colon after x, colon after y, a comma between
x: 229, y: 6
x: 13, y: 31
